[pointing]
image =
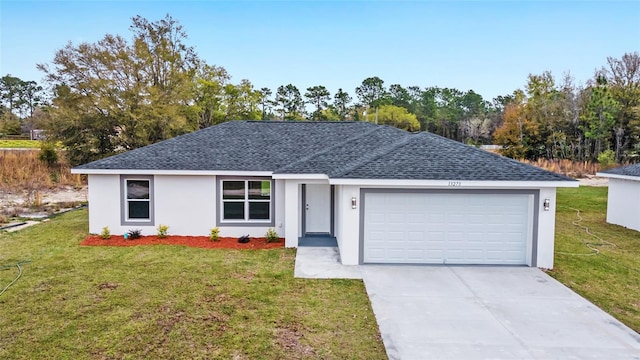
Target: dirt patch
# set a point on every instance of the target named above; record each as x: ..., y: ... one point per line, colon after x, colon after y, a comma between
x: 191, y: 241
x: 41, y: 203
x: 594, y: 181
x: 108, y: 286
x: 289, y: 340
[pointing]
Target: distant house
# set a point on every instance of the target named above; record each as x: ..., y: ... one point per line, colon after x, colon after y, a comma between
x: 37, y: 135
x: 384, y: 194
x: 623, y: 203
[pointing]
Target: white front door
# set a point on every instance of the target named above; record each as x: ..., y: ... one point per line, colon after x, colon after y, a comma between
x: 318, y: 208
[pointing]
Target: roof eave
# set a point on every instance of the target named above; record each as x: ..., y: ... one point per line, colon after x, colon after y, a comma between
x: 169, y: 172
x: 617, y: 176
x: 457, y: 183
x: 300, y: 176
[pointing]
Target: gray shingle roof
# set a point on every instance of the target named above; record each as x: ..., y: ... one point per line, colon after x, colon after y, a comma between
x: 352, y: 150
x: 425, y: 155
x: 629, y: 170
x: 236, y: 145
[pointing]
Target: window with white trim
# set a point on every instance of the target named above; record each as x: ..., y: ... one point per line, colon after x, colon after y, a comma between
x: 137, y: 200
x: 246, y: 201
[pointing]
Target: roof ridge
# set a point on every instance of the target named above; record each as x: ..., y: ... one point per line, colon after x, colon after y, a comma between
x: 267, y: 121
x: 328, y: 149
x: 373, y: 155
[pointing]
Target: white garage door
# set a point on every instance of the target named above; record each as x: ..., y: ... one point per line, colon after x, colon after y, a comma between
x: 447, y: 228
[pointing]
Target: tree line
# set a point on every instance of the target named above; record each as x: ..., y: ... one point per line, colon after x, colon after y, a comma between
x: 119, y: 94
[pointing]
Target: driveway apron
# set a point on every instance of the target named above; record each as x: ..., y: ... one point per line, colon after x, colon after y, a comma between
x: 471, y: 312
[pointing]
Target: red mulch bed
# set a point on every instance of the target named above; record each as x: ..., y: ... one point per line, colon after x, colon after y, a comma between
x: 192, y: 241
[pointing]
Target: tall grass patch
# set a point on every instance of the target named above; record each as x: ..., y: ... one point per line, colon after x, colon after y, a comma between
x: 575, y: 169
x: 23, y: 173
x: 24, y: 170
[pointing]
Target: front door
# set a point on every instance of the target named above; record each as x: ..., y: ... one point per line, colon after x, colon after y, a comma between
x: 318, y: 208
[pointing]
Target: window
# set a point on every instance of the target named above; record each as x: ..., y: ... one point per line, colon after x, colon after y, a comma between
x: 137, y: 200
x: 246, y: 201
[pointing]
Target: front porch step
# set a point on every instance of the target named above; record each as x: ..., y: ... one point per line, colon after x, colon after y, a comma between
x: 317, y: 240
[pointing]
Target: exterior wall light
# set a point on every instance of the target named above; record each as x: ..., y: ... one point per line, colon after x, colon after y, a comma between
x: 353, y: 202
x: 546, y: 204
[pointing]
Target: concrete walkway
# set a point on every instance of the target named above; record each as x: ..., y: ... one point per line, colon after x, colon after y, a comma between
x: 323, y: 263
x: 440, y: 312
x: 460, y: 312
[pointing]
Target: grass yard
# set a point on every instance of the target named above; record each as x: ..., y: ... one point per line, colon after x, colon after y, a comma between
x: 171, y: 302
x: 31, y: 144
x: 610, y: 279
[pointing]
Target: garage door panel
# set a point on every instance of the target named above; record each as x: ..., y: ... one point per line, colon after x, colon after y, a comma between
x: 376, y: 253
x: 456, y: 236
x: 396, y: 255
x: 447, y: 228
x: 436, y: 236
x: 396, y: 218
x: 377, y: 236
x: 376, y: 218
x: 415, y: 254
x: 396, y: 236
x: 415, y: 218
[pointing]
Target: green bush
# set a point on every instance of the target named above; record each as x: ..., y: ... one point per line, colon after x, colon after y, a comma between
x: 607, y: 159
x: 48, y: 153
x: 105, y: 234
x: 162, y: 231
x: 214, y: 235
x: 272, y: 235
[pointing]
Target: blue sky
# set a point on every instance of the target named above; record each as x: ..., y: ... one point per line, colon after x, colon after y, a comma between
x: 487, y: 46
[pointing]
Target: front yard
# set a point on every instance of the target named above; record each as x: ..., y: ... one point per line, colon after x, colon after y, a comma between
x: 171, y: 302
x: 179, y: 302
x: 609, y: 279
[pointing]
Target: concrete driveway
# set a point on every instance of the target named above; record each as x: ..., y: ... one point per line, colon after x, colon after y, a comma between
x: 440, y: 312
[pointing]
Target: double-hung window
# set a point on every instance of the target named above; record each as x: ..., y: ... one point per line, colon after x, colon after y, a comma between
x: 137, y: 200
x: 246, y: 201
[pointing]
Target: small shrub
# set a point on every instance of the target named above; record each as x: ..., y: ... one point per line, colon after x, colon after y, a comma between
x: 214, y: 235
x: 162, y: 231
x: 272, y: 235
x: 48, y: 154
x: 243, y: 239
x: 607, y: 159
x: 134, y: 234
x: 105, y: 234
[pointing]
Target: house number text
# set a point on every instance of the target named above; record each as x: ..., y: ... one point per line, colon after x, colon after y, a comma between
x: 455, y: 183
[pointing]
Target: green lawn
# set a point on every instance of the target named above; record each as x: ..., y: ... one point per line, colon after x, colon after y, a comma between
x: 177, y: 302
x: 171, y: 302
x: 19, y: 144
x: 610, y: 279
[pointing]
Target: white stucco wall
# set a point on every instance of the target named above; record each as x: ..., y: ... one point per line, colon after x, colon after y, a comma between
x: 546, y: 228
x: 186, y: 203
x: 623, y: 204
x: 338, y: 213
x: 348, y: 224
x: 104, y: 203
x: 292, y: 216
